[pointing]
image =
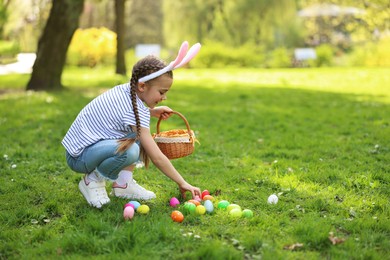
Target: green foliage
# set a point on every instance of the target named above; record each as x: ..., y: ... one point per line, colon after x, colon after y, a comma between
x: 280, y: 58
x: 372, y: 54
x: 344, y: 31
x: 218, y: 55
x: 319, y: 138
x: 93, y: 46
x: 232, y: 23
x: 324, y: 54
x: 9, y: 48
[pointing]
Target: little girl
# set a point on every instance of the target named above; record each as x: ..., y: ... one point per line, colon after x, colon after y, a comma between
x: 112, y: 132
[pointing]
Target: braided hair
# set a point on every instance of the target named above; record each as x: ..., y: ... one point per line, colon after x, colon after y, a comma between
x: 142, y: 68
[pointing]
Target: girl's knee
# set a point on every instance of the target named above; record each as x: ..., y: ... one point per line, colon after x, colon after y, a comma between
x: 132, y: 154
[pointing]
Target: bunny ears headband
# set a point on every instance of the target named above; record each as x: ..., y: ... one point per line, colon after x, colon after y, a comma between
x: 183, y: 57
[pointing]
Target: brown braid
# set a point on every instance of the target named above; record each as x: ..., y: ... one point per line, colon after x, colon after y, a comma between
x: 142, y: 68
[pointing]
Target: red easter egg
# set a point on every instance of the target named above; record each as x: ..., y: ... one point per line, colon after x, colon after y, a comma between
x: 205, y: 192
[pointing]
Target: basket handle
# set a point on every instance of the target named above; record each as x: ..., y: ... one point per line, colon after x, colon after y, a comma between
x: 182, y: 117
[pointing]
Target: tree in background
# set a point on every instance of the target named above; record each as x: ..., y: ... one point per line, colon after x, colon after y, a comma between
x: 352, y: 21
x: 144, y: 22
x: 4, y: 4
x: 53, y: 46
x: 234, y: 23
x: 98, y: 13
x: 143, y: 19
x: 25, y: 22
x: 120, y: 33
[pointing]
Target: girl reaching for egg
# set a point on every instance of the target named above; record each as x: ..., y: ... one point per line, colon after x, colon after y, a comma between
x: 111, y: 133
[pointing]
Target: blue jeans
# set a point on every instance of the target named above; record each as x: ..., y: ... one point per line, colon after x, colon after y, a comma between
x: 102, y: 156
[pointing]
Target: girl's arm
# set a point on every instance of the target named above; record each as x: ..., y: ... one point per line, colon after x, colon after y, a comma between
x: 163, y: 163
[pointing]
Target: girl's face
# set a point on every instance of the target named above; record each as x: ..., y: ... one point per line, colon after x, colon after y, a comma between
x: 154, y: 91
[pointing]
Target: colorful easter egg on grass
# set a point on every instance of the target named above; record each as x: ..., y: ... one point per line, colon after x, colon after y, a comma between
x: 194, y: 202
x: 232, y: 206
x: 177, y: 216
x: 174, y: 202
x: 197, y: 198
x: 128, y: 205
x: 190, y: 207
x: 223, y: 204
x: 235, y: 213
x: 208, y: 197
x: 204, y: 193
x: 200, y: 210
x: 273, y: 199
x: 209, y: 206
x: 247, y: 213
x: 143, y: 209
x: 128, y: 213
x: 135, y: 203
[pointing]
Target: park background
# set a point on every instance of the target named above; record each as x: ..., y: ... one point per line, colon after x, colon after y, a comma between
x: 313, y: 131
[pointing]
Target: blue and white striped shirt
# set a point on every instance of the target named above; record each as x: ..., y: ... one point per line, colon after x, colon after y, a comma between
x: 108, y: 116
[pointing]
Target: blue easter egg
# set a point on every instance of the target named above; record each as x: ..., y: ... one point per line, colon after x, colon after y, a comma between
x: 136, y: 204
x: 208, y: 204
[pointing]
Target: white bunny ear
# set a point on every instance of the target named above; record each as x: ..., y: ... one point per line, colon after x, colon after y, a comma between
x: 182, y: 52
x: 183, y: 57
x: 190, y: 55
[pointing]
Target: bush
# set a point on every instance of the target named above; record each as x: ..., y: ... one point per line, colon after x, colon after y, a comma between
x: 280, y: 58
x: 92, y: 46
x: 218, y: 55
x: 324, y: 54
x: 373, y: 54
x: 9, y: 49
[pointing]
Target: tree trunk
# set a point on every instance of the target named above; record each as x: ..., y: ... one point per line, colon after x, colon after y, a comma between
x: 53, y: 44
x: 120, y: 34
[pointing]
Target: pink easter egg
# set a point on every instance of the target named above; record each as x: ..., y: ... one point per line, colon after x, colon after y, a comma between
x: 174, y: 202
x: 128, y: 213
x: 128, y: 205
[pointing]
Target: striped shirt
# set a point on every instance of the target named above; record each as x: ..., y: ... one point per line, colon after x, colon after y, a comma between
x: 108, y: 116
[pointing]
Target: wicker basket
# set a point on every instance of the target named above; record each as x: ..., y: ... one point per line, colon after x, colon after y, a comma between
x: 175, y: 143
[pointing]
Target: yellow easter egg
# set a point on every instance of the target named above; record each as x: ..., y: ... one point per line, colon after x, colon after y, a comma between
x: 143, y: 209
x: 232, y: 206
x: 200, y: 210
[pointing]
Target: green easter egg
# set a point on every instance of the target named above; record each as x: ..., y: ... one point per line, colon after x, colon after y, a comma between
x: 247, y: 213
x: 223, y: 204
x: 190, y: 207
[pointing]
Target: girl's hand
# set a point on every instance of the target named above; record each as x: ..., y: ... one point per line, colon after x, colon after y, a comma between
x: 162, y: 111
x: 195, y: 191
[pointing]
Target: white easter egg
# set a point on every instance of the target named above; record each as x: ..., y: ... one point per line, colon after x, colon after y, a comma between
x: 208, y: 204
x: 273, y: 199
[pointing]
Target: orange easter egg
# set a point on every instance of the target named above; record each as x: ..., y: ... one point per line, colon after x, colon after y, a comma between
x: 208, y: 197
x: 177, y: 216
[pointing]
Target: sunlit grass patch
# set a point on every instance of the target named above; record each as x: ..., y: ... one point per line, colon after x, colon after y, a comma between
x: 318, y: 138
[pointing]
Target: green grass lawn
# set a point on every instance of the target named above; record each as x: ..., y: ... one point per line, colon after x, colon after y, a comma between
x: 319, y: 138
